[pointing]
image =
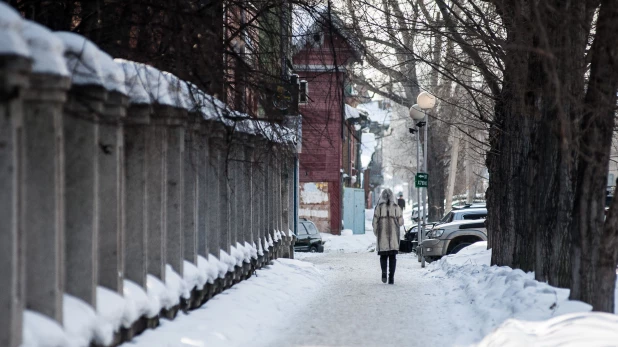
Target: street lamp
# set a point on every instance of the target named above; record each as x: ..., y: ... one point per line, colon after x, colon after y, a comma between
x: 418, y: 112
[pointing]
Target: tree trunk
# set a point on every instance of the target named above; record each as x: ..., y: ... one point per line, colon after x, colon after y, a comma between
x: 595, y: 241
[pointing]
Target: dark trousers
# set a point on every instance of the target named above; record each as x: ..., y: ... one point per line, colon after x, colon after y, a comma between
x: 392, y: 263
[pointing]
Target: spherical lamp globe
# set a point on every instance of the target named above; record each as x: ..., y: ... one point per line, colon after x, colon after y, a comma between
x: 416, y: 112
x: 426, y: 100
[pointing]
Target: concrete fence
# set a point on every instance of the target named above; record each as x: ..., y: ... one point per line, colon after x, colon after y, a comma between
x: 120, y: 182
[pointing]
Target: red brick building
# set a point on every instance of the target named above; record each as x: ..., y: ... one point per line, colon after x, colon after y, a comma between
x: 323, y: 50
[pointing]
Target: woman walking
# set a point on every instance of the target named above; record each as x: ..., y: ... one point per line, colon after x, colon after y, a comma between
x: 387, y: 219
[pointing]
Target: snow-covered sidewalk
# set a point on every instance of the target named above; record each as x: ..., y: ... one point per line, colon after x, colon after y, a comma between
x: 248, y: 314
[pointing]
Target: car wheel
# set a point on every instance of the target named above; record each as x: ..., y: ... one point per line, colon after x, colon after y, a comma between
x: 459, y: 247
x: 313, y: 249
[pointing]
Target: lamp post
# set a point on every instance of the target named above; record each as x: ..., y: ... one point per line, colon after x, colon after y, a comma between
x: 418, y: 112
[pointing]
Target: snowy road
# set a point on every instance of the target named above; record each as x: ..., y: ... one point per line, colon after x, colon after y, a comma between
x: 354, y: 308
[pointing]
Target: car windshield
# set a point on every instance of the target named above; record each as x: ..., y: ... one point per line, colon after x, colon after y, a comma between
x: 311, y: 228
x: 448, y: 218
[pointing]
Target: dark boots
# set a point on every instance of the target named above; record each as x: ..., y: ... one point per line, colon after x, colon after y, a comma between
x: 383, y: 266
x: 392, y: 264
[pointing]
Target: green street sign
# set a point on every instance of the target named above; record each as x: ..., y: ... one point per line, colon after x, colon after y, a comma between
x: 421, y: 180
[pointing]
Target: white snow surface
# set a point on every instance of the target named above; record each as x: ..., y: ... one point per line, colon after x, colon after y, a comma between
x: 159, y: 293
x: 248, y: 314
x: 133, y: 83
x: 176, y: 286
x: 590, y: 329
x: 209, y: 268
x: 114, y: 312
x: 136, y: 296
x: 82, y: 59
x: 46, y: 50
x: 351, y: 112
x: 11, y: 41
x: 80, y: 322
x: 368, y: 147
x: 193, y: 276
x: 42, y: 331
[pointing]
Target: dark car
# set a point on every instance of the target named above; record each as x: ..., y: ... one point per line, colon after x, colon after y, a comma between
x: 308, y: 238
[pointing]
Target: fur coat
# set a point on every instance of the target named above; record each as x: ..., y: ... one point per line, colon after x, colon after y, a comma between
x: 387, y: 219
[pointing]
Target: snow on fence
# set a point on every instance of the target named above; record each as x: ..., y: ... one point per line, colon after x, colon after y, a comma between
x: 127, y: 194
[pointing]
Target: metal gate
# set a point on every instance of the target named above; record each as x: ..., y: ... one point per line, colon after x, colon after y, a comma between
x: 354, y: 210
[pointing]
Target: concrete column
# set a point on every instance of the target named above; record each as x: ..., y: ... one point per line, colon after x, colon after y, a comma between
x: 257, y: 180
x: 156, y: 157
x: 174, y: 190
x: 224, y: 197
x: 285, y: 212
x: 248, y: 203
x: 43, y: 191
x: 135, y: 197
x: 234, y: 193
x: 214, y: 203
x: 204, y: 191
x: 191, y: 195
x: 81, y: 178
x: 110, y: 193
x: 13, y: 79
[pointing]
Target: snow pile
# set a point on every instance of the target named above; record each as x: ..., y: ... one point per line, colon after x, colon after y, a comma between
x: 41, y: 331
x: 133, y: 83
x: 247, y: 252
x: 260, y: 250
x: 115, y: 310
x: 593, y: 329
x: 347, y: 232
x: 253, y: 252
x: 496, y: 294
x: 349, y: 243
x: 194, y: 276
x: 228, y: 261
x: 82, y: 59
x: 247, y: 314
x: 351, y: 112
x: 139, y: 300
x: 176, y: 286
x: 210, y: 269
x: 368, y: 147
x: 46, y: 49
x: 11, y: 42
x: 159, y: 294
x: 237, y: 255
x: 80, y: 321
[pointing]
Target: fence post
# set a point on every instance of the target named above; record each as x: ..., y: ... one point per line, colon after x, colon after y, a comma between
x: 111, y: 192
x: 174, y: 181
x: 135, y: 204
x: 205, y: 215
x: 156, y: 157
x: 81, y: 141
x: 14, y: 69
x: 43, y: 186
x: 213, y: 199
x: 190, y: 208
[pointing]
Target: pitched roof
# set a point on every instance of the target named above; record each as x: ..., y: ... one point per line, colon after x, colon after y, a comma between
x: 307, y: 22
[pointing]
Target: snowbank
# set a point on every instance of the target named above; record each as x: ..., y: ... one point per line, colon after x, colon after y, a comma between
x: 591, y: 329
x: 349, y: 243
x: 11, y: 42
x: 247, y: 313
x: 41, y: 331
x: 496, y: 294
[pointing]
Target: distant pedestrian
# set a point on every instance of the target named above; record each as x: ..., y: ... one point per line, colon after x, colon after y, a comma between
x: 401, y: 202
x: 387, y: 219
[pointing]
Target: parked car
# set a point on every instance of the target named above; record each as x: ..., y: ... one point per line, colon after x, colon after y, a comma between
x: 450, y: 238
x: 308, y: 238
x: 453, y: 216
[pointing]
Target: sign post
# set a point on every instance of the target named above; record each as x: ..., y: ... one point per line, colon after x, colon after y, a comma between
x: 421, y: 180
